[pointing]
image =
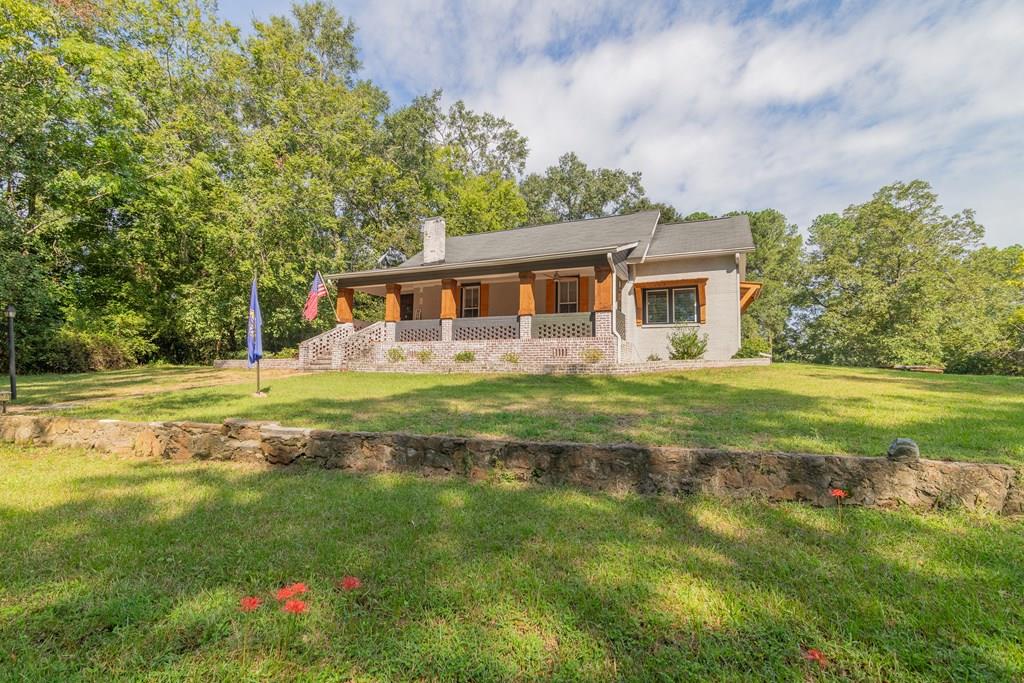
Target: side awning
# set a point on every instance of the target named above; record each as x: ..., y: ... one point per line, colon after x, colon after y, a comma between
x: 749, y: 291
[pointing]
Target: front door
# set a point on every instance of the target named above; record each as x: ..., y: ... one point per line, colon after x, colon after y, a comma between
x: 405, y: 307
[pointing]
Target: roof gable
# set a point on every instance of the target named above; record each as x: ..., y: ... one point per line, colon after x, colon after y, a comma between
x: 730, y: 234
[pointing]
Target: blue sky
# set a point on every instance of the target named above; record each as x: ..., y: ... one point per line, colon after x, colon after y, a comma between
x: 802, y: 106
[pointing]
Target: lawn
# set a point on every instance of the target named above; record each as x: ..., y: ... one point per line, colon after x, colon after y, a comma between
x: 117, y: 569
x: 49, y: 389
x: 784, y: 407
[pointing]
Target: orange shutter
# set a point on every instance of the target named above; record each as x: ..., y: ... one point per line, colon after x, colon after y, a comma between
x: 584, y: 294
x: 549, y: 300
x: 485, y: 291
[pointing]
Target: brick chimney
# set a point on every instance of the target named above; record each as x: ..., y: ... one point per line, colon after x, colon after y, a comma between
x: 433, y: 230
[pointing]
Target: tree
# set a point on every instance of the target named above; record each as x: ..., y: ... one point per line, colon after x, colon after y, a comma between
x: 775, y: 262
x: 570, y: 190
x: 481, y: 144
x: 885, y: 278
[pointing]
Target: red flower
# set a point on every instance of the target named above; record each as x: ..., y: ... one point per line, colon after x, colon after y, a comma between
x: 295, y: 606
x: 249, y: 603
x: 814, y: 655
x: 838, y: 493
x: 291, y: 591
x: 350, y: 583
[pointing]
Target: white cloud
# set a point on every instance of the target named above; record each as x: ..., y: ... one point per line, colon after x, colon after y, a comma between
x: 796, y: 109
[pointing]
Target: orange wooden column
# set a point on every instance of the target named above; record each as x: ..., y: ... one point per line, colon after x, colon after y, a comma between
x: 527, y: 306
x: 602, y: 288
x: 392, y: 309
x: 343, y: 307
x: 449, y: 309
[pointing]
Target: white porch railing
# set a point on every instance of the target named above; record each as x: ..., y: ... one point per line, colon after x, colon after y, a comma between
x: 559, y: 325
x: 418, y: 330
x: 491, y: 327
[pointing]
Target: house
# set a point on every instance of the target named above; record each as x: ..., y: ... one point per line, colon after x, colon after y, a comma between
x: 595, y: 292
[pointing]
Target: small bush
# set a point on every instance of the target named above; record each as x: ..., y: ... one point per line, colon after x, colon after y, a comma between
x: 425, y: 356
x: 991, y: 362
x: 287, y: 352
x: 510, y: 357
x: 592, y: 355
x: 686, y: 344
x: 396, y: 354
x: 754, y: 347
x: 653, y: 358
x: 464, y: 357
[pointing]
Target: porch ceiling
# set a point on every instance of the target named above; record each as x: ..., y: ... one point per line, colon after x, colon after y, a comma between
x: 491, y: 278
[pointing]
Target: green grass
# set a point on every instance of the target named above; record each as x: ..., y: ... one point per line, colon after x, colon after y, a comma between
x: 784, y: 407
x: 117, y: 569
x: 50, y: 388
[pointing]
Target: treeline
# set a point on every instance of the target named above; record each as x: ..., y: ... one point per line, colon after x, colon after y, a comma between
x: 152, y: 159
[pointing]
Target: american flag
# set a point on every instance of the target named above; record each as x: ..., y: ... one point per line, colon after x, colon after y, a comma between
x: 316, y: 292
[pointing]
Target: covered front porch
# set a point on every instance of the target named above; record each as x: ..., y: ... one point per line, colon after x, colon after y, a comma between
x: 570, y: 301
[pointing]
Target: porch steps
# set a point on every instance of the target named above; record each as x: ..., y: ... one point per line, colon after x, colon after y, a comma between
x: 321, y: 362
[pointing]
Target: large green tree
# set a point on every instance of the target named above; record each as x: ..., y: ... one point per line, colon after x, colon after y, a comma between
x: 776, y: 263
x: 886, y: 278
x: 570, y: 190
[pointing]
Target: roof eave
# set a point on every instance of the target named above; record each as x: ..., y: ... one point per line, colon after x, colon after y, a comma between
x: 438, y: 270
x: 686, y: 254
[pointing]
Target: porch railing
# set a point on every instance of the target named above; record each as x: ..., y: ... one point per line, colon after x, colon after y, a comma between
x: 491, y: 327
x: 418, y: 330
x: 557, y: 325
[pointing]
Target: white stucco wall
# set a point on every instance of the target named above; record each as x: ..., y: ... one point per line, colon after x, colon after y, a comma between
x: 723, y: 296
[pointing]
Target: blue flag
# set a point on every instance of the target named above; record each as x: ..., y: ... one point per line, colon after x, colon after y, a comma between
x: 254, y: 336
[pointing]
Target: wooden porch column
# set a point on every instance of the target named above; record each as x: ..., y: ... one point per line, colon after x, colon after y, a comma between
x: 602, y: 288
x: 449, y: 311
x: 392, y: 309
x: 527, y: 306
x: 343, y: 307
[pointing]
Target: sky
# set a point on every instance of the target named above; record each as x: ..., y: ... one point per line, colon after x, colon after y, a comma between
x: 800, y: 105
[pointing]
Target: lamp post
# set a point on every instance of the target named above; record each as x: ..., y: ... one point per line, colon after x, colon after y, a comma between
x: 10, y: 351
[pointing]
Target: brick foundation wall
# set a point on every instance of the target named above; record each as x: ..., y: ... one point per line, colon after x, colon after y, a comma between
x: 573, y: 354
x: 872, y: 482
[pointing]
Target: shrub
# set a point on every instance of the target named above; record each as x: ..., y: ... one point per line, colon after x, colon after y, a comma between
x: 653, y: 358
x: 286, y: 352
x: 989, y: 362
x: 510, y: 357
x: 464, y: 357
x: 110, y: 342
x: 592, y: 355
x: 425, y: 356
x: 686, y: 344
x: 396, y: 354
x: 754, y: 347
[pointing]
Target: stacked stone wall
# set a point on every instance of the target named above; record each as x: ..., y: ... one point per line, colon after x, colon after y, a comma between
x: 901, y: 479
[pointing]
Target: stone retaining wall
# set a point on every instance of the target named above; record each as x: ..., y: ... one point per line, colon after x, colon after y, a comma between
x: 874, y: 482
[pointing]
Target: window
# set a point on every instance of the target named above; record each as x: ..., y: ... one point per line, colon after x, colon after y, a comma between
x: 668, y: 306
x: 568, y: 295
x: 470, y: 301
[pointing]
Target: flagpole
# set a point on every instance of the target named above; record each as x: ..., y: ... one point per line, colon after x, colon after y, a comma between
x: 257, y: 376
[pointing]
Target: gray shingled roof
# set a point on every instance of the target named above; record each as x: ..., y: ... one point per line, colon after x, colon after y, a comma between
x: 554, y: 238
x: 694, y: 237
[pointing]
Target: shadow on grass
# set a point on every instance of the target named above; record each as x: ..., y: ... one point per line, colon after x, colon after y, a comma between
x: 655, y: 410
x: 38, y: 389
x: 139, y: 571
